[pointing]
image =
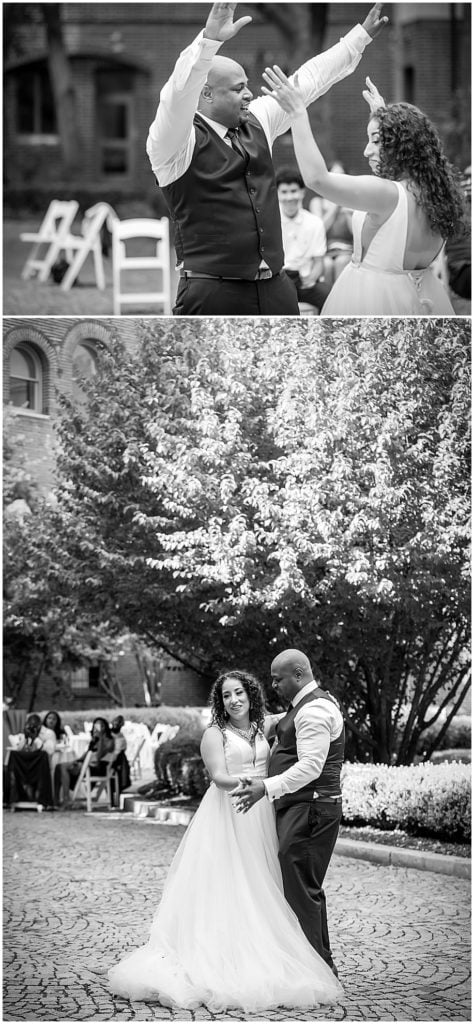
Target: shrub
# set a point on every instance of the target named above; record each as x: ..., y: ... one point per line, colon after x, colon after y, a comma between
x: 422, y: 799
x: 187, y: 718
x: 178, y: 764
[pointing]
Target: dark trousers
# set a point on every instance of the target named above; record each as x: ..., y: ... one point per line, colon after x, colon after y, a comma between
x: 222, y: 297
x: 307, y: 834
x: 316, y: 295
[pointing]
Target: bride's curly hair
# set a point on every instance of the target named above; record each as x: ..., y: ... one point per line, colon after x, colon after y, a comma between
x: 254, y: 693
x: 410, y: 146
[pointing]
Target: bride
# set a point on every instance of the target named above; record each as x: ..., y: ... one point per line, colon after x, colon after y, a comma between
x: 223, y: 934
x: 403, y: 212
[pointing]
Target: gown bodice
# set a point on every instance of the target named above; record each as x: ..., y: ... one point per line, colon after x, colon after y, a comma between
x: 375, y: 281
x: 386, y: 250
x: 243, y: 759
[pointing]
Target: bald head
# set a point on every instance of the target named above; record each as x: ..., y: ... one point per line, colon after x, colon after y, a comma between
x: 225, y: 96
x: 290, y: 670
x: 223, y: 70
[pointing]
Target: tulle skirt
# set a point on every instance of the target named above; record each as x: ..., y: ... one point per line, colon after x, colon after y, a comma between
x: 224, y: 935
x: 364, y: 291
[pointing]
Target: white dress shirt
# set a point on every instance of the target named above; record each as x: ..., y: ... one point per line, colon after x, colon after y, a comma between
x: 171, y: 139
x: 317, y: 724
x: 304, y: 239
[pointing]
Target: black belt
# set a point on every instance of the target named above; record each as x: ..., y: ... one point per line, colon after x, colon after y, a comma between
x: 261, y: 275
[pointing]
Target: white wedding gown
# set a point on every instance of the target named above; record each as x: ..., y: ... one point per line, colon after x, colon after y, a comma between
x: 224, y: 935
x: 376, y: 283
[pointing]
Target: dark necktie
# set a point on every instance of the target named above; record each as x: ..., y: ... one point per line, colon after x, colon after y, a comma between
x: 236, y: 144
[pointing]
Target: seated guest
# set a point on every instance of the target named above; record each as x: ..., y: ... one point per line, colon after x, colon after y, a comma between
x: 66, y: 774
x: 304, y: 239
x: 52, y: 720
x: 28, y: 775
x: 120, y: 760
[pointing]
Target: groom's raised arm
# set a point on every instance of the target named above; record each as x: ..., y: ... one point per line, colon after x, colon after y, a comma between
x: 170, y: 141
x: 318, y: 74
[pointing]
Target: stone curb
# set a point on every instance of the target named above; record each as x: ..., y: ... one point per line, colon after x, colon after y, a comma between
x: 377, y: 853
x: 401, y: 857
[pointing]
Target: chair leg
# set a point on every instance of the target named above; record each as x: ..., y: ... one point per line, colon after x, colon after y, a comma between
x: 99, y: 266
x: 88, y: 793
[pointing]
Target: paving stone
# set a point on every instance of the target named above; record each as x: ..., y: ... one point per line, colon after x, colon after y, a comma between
x: 80, y: 891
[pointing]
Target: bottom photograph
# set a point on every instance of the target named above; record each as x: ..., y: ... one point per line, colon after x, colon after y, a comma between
x: 237, y: 692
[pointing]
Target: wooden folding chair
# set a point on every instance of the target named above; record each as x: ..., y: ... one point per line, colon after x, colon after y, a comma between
x: 135, y: 763
x: 88, y: 242
x: 141, y: 228
x: 110, y: 781
x: 54, y: 229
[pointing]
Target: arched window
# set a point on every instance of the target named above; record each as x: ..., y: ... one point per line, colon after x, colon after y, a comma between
x: 26, y: 379
x: 84, y: 367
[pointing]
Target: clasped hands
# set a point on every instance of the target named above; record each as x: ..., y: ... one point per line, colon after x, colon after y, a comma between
x: 247, y: 793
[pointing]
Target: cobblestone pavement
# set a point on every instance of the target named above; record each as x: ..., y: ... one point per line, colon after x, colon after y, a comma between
x: 80, y: 890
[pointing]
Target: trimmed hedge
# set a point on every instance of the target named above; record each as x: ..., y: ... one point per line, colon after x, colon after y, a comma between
x: 423, y: 799
x: 187, y: 718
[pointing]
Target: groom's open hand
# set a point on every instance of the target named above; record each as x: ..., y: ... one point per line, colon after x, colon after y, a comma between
x: 373, y: 23
x: 251, y: 791
x: 220, y: 23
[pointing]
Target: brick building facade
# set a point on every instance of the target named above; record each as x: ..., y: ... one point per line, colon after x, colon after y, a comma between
x: 42, y: 358
x: 121, y: 55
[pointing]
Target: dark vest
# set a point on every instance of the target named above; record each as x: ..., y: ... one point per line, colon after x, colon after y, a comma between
x: 225, y: 210
x: 284, y: 755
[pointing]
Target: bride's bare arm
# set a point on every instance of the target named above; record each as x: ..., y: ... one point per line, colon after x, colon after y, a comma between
x: 212, y: 753
x: 357, y: 192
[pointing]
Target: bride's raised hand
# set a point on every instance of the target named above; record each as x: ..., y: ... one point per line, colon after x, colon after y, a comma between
x: 283, y: 91
x: 372, y: 96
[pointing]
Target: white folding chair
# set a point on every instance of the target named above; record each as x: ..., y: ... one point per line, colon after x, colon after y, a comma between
x: 88, y: 779
x: 88, y: 242
x: 141, y: 228
x: 54, y: 229
x: 135, y: 762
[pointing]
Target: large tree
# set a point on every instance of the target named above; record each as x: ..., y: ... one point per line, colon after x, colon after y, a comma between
x: 243, y: 486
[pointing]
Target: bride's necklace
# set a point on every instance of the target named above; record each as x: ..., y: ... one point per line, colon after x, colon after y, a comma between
x: 246, y: 734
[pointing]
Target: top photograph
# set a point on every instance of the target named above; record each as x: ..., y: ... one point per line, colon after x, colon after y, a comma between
x: 267, y: 159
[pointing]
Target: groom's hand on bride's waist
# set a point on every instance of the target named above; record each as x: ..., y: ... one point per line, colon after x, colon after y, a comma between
x: 249, y: 792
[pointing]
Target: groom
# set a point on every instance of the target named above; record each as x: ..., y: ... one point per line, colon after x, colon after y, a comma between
x: 210, y: 148
x: 304, y: 781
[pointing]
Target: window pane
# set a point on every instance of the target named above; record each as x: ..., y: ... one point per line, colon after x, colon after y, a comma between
x: 114, y: 120
x: 22, y: 393
x: 84, y: 363
x: 35, y: 104
x: 22, y: 364
x: 114, y: 160
x: 47, y: 109
x: 26, y: 105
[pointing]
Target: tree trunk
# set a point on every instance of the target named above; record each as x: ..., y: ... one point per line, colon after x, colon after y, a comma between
x: 63, y: 88
x: 36, y: 682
